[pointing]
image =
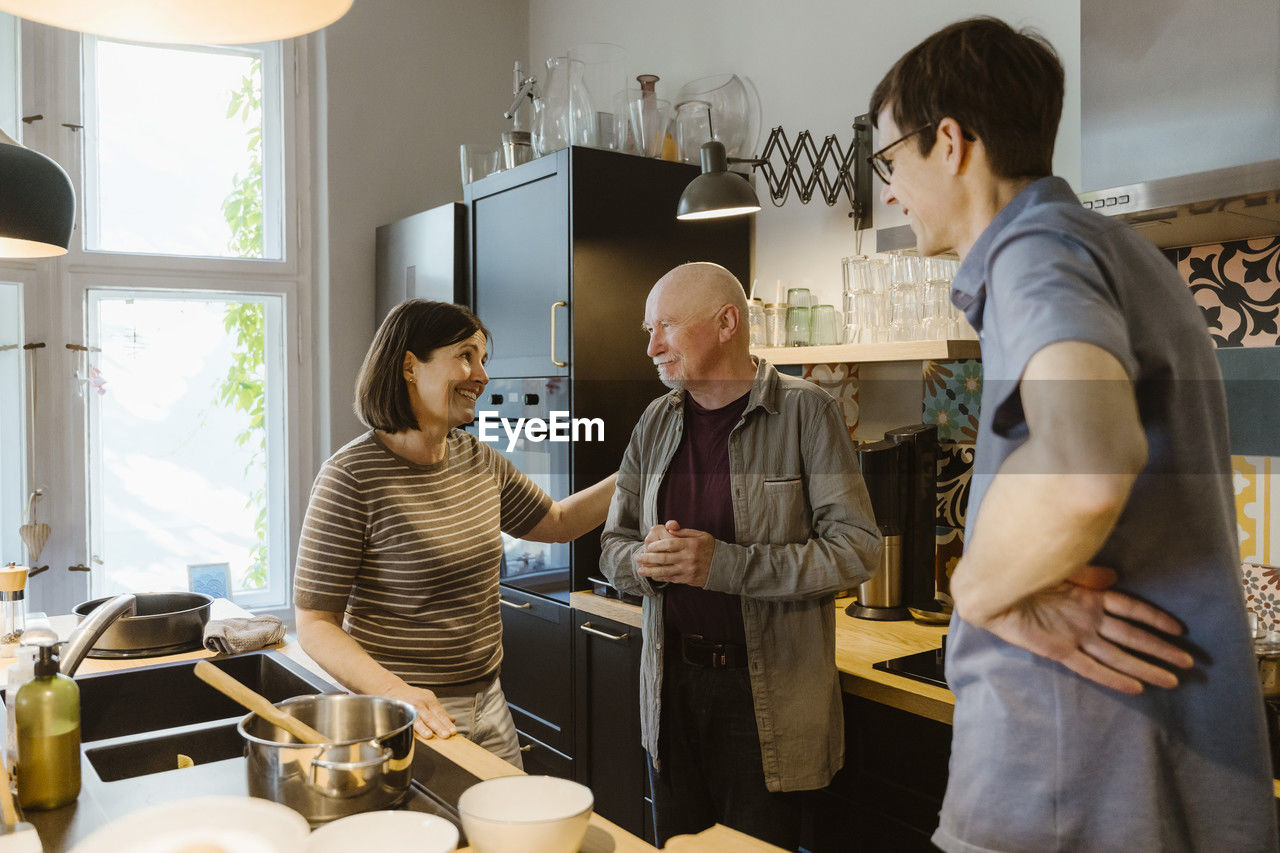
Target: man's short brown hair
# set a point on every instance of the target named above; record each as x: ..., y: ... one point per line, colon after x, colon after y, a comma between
x: 417, y: 326
x: 1002, y: 85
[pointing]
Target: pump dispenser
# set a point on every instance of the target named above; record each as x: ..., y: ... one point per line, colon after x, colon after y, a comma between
x: 47, y: 712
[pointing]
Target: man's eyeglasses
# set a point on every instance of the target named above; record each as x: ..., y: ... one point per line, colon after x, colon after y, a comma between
x: 883, y: 167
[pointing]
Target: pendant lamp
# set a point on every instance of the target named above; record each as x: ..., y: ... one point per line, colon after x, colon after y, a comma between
x: 184, y: 21
x: 37, y: 204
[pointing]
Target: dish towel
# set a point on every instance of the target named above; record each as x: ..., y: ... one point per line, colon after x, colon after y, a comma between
x: 241, y: 634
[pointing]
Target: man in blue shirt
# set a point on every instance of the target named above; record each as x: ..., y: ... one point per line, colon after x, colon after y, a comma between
x: 1106, y: 692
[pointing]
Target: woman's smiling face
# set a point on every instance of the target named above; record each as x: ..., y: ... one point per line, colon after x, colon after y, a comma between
x: 443, y: 389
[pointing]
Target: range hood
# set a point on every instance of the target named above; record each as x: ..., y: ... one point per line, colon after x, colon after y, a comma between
x: 1179, y: 119
x: 1235, y: 203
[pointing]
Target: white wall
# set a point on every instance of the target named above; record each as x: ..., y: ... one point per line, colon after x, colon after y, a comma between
x: 815, y: 63
x: 402, y: 83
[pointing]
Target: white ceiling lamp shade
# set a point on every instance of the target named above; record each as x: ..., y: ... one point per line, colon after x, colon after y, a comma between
x: 184, y: 21
x: 37, y: 204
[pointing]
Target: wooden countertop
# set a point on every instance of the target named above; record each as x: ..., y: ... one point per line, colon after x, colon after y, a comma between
x: 859, y: 644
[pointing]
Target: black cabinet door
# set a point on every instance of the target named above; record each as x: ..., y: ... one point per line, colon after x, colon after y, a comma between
x: 537, y: 666
x: 610, y: 758
x: 520, y: 251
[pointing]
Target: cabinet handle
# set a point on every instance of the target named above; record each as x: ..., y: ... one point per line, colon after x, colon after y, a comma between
x: 560, y: 303
x: 526, y: 606
x: 528, y: 747
x: 617, y: 638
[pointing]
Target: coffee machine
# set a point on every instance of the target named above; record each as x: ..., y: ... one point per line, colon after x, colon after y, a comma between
x: 901, y: 476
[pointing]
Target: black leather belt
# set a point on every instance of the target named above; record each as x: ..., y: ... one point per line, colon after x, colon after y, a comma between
x: 708, y: 654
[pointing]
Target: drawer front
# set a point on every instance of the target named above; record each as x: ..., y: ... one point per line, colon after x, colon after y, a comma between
x: 537, y: 666
x: 541, y: 760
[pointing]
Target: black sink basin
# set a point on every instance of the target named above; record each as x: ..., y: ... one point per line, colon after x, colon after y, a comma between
x: 116, y: 704
x: 156, y: 755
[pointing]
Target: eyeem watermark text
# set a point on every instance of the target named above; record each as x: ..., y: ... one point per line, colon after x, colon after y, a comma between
x: 560, y: 427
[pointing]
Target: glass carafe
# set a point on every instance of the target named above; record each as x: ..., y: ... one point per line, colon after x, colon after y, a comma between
x: 564, y: 115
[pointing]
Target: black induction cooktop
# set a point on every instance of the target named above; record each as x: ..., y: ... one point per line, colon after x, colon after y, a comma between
x: 928, y: 666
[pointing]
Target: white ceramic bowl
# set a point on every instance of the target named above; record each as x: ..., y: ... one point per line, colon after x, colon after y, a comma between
x: 531, y: 814
x: 386, y: 831
x: 232, y: 824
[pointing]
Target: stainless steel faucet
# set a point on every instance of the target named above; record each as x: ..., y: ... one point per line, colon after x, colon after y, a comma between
x: 88, y: 631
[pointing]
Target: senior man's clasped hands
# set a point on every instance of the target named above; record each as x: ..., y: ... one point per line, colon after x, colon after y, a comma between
x: 674, y: 554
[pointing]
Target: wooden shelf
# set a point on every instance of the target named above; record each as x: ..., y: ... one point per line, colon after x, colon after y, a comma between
x: 860, y: 353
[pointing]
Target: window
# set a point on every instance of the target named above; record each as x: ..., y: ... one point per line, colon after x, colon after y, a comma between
x: 186, y: 407
x: 182, y: 150
x: 173, y: 435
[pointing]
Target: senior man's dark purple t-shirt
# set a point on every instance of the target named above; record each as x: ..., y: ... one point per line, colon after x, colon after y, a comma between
x: 696, y: 494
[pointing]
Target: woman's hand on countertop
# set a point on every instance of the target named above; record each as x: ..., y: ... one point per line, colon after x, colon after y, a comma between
x: 433, y: 720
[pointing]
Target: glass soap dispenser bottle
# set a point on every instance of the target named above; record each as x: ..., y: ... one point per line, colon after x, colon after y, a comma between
x: 47, y: 712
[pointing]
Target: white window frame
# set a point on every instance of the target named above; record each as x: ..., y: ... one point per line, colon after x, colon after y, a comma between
x: 56, y: 312
x: 274, y: 80
x: 278, y: 424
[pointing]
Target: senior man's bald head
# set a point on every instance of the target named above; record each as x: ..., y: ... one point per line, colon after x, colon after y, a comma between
x: 702, y: 285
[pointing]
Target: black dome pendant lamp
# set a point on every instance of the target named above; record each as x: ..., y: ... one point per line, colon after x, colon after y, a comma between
x: 37, y: 203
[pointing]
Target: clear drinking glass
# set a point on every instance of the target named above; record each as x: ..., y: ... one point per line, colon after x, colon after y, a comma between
x: 799, y: 297
x: 755, y: 312
x: 693, y: 127
x: 775, y: 324
x: 479, y: 161
x: 825, y: 324
x: 798, y: 326
x: 650, y: 117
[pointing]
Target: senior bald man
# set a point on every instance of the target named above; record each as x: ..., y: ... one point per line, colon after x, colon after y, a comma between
x: 739, y: 513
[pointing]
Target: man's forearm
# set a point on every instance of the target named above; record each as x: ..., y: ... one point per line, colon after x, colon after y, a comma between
x: 1034, y: 530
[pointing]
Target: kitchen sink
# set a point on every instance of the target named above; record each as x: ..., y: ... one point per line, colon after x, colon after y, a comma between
x: 116, y: 704
x: 160, y: 754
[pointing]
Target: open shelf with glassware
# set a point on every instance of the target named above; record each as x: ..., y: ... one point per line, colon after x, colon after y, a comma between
x: 862, y: 353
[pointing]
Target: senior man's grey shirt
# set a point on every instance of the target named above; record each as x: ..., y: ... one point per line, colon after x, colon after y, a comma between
x: 805, y: 530
x: 1041, y: 758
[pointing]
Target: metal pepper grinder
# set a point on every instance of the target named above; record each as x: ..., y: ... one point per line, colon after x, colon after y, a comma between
x: 13, y: 603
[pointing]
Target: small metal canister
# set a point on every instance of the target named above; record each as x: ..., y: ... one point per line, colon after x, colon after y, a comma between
x: 1267, y: 647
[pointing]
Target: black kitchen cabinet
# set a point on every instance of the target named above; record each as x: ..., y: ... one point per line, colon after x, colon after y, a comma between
x: 537, y: 667
x: 611, y: 759
x: 889, y: 793
x: 423, y: 256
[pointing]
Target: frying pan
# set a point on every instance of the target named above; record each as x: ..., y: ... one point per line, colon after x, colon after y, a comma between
x: 163, y: 622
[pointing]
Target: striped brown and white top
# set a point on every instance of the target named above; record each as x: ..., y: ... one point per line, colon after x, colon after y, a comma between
x: 411, y: 553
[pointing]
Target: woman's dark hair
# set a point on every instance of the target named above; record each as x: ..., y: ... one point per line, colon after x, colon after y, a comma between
x: 1002, y: 85
x: 417, y: 326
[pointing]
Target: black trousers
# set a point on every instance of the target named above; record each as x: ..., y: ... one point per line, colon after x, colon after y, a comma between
x: 709, y: 749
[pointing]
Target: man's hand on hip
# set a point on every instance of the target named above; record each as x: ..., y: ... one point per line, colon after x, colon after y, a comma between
x: 1094, y: 631
x: 675, y: 554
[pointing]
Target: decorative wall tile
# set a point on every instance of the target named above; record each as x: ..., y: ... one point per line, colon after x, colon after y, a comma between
x: 1256, y: 481
x: 841, y: 382
x: 1262, y: 594
x: 1237, y: 286
x: 949, y: 548
x: 955, y: 466
x: 952, y: 391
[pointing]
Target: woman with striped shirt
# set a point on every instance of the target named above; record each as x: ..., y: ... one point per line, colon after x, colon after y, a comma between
x: 396, y: 587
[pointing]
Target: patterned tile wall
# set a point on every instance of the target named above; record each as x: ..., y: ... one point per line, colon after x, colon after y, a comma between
x: 1237, y: 286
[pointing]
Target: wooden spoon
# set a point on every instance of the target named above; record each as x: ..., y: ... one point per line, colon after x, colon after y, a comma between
x: 257, y: 703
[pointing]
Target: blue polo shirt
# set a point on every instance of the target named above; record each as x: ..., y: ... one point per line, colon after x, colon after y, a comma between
x: 1043, y: 759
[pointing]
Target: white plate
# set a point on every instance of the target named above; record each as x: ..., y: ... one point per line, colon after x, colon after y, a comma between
x: 386, y: 831
x: 231, y: 824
